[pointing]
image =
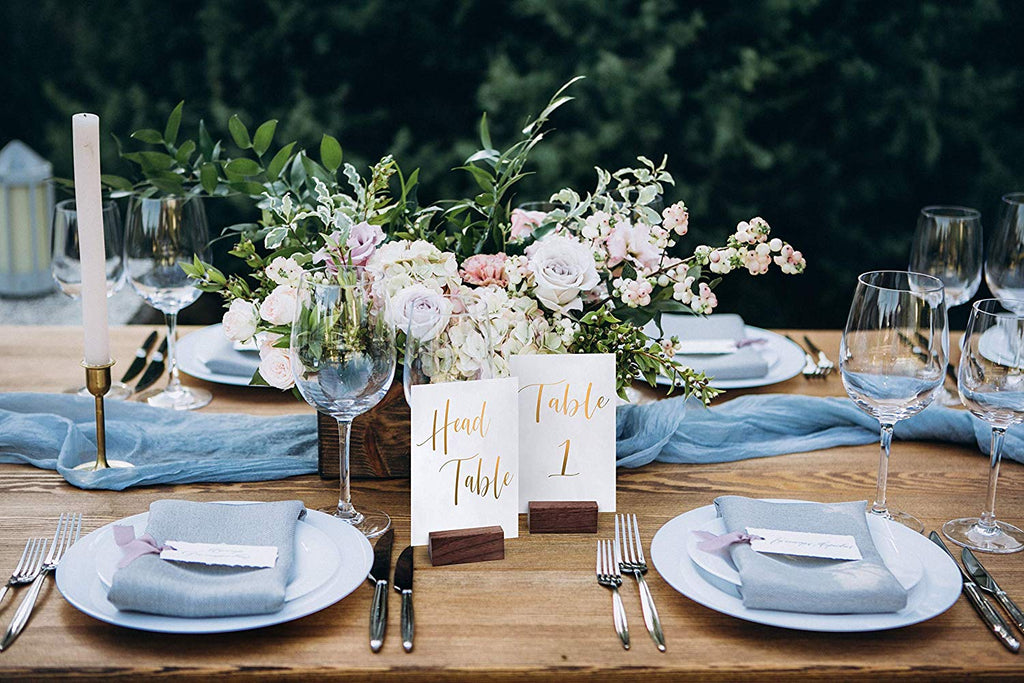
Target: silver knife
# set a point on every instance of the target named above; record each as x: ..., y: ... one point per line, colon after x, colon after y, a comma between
x: 403, y: 584
x: 139, y: 361
x: 988, y: 584
x: 155, y: 370
x: 1000, y: 629
x: 380, y: 572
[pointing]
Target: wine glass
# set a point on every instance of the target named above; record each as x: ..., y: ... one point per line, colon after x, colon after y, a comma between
x: 948, y: 245
x: 66, y: 264
x: 990, y: 378
x: 162, y: 234
x: 1004, y: 264
x: 886, y: 374
x: 342, y: 354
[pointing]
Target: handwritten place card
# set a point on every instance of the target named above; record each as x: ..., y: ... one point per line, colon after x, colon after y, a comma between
x: 465, y: 457
x: 566, y: 428
x: 223, y: 554
x: 804, y: 544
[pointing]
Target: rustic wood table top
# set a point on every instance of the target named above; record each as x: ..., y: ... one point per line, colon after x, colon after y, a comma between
x: 537, y: 614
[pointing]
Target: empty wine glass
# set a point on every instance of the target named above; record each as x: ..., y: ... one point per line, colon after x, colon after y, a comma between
x: 948, y: 245
x: 66, y: 264
x: 884, y: 372
x: 161, y: 235
x: 990, y: 378
x: 342, y: 352
x: 1004, y: 262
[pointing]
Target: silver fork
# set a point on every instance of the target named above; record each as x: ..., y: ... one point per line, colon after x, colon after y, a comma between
x: 68, y: 528
x: 826, y: 365
x: 28, y: 565
x: 633, y: 562
x: 811, y: 369
x: 608, y: 575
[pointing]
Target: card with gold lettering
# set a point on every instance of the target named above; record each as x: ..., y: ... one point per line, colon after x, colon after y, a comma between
x: 465, y: 457
x: 566, y: 428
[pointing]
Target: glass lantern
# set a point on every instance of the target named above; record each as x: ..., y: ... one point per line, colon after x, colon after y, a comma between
x: 26, y: 205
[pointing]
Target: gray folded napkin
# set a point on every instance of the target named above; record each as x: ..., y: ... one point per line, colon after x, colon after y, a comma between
x: 810, y: 585
x: 224, y: 359
x: 181, y: 589
x: 745, y: 363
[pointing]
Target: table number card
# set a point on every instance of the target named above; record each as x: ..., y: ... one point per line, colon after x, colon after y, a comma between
x: 465, y: 457
x: 566, y: 428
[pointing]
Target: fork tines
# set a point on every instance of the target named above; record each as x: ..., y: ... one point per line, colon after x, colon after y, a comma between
x: 28, y: 566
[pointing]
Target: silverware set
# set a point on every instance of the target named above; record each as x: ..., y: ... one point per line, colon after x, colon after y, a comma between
x: 154, y: 371
x: 380, y: 573
x: 814, y: 368
x: 978, y: 581
x: 33, y: 568
x: 625, y: 555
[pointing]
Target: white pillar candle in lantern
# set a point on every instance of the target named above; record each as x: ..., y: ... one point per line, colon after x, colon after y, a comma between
x: 26, y: 206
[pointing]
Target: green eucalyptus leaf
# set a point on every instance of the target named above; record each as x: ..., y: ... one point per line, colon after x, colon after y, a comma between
x: 148, y: 135
x: 208, y: 177
x: 264, y: 136
x: 239, y: 133
x: 242, y: 167
x: 205, y: 142
x: 173, y: 123
x: 185, y: 152
x: 151, y: 161
x: 113, y: 181
x: 279, y: 161
x: 330, y: 153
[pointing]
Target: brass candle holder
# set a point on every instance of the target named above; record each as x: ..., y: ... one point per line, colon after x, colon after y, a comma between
x: 97, y: 381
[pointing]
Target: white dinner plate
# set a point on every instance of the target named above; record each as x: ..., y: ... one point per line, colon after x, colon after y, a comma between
x: 785, y: 360
x: 78, y: 580
x: 906, y: 567
x: 937, y: 590
x: 316, y: 558
x: 195, y: 348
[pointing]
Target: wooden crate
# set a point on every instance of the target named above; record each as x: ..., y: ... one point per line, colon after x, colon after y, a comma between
x: 379, y: 443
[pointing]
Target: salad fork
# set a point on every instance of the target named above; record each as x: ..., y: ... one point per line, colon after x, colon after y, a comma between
x: 826, y: 365
x: 633, y: 562
x: 811, y: 369
x: 28, y: 565
x: 68, y: 528
x: 608, y: 576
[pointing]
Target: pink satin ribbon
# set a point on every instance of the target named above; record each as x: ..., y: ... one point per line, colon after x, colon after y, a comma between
x: 712, y: 543
x: 131, y: 547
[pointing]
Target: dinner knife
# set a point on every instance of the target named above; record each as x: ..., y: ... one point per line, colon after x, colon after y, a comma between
x: 988, y: 584
x: 140, y: 357
x: 1000, y: 629
x: 380, y: 572
x: 155, y: 370
x: 403, y: 584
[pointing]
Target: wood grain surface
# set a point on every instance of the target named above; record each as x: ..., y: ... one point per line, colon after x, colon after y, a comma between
x: 538, y: 613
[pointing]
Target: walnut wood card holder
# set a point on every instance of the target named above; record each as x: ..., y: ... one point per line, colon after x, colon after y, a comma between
x: 459, y: 546
x: 562, y: 517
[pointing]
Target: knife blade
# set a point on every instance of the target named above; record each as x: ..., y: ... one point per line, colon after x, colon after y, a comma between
x: 403, y: 584
x: 155, y: 370
x: 988, y: 584
x: 999, y: 628
x: 380, y: 572
x: 140, y: 357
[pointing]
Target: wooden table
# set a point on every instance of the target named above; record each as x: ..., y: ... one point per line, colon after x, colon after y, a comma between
x: 537, y: 614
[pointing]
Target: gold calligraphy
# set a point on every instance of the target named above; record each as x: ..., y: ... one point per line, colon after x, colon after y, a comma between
x: 563, y: 402
x: 477, y: 424
x: 481, y: 484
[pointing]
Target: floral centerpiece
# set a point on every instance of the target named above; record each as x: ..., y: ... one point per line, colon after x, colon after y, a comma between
x: 583, y: 277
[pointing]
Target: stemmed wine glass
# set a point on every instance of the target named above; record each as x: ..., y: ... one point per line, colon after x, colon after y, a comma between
x: 66, y: 264
x: 342, y: 354
x: 948, y: 245
x: 162, y: 234
x: 1004, y: 264
x: 884, y: 372
x: 990, y: 378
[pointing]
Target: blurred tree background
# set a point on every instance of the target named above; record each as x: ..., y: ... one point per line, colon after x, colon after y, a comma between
x: 834, y: 120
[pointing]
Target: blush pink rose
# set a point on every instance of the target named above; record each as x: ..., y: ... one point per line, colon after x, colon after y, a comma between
x: 484, y: 270
x: 362, y: 242
x: 525, y: 222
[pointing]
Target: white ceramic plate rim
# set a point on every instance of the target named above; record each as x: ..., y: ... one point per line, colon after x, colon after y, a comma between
x: 788, y: 363
x: 316, y: 558
x: 905, y: 567
x: 80, y: 585
x: 938, y: 589
x: 193, y: 349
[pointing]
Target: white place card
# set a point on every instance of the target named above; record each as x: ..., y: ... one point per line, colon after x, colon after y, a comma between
x: 223, y: 554
x: 465, y: 457
x: 804, y: 544
x: 566, y: 428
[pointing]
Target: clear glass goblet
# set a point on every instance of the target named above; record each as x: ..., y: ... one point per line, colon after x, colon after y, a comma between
x: 342, y: 352
x: 884, y: 372
x: 161, y: 235
x: 66, y: 264
x: 990, y: 378
x: 1004, y: 261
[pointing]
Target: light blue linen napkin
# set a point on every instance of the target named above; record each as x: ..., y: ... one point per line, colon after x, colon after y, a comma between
x: 182, y: 589
x: 225, y: 360
x: 745, y: 363
x: 58, y: 431
x: 810, y: 585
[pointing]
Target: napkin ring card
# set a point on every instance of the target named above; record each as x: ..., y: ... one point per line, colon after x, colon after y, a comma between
x: 562, y: 517
x: 97, y: 381
x: 459, y: 546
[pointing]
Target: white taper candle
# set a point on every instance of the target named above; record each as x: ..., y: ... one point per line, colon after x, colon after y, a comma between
x: 85, y: 129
